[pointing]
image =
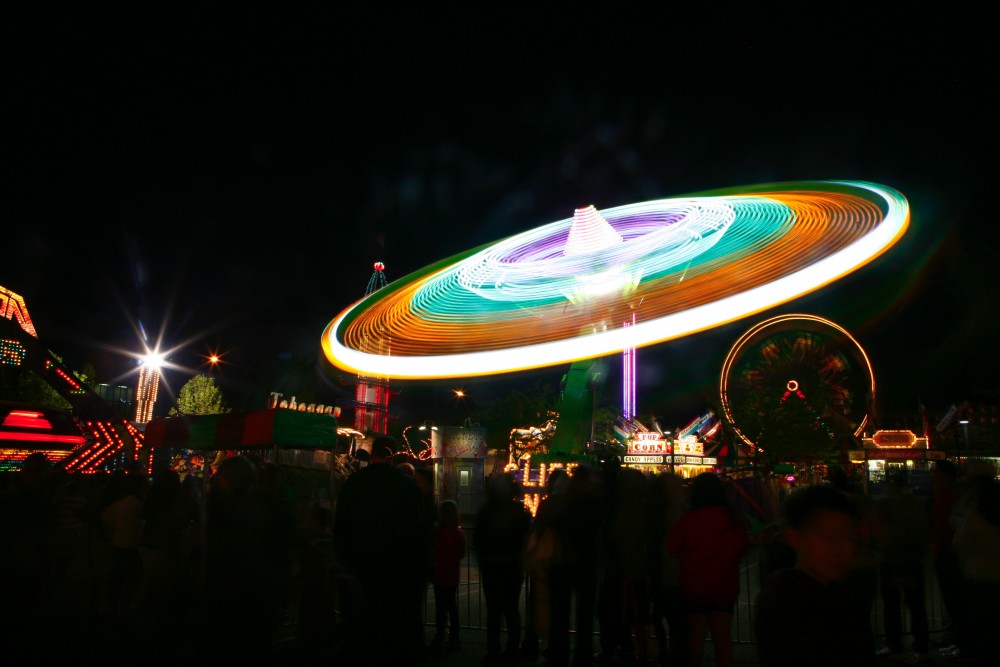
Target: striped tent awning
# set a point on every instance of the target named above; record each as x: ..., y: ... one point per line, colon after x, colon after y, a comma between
x: 276, y: 427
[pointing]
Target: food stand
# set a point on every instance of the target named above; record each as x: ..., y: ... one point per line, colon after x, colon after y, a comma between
x: 306, y: 445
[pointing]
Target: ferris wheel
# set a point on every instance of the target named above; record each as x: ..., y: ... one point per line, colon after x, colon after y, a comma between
x: 796, y: 368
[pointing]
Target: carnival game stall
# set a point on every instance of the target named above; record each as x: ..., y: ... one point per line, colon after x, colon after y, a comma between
x: 311, y: 454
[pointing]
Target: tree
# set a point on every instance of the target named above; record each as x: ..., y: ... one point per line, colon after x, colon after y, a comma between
x: 26, y: 386
x: 19, y: 383
x: 200, y: 396
x: 87, y: 376
x: 527, y: 408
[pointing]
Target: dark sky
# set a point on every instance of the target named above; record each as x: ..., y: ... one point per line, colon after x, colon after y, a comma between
x: 229, y: 184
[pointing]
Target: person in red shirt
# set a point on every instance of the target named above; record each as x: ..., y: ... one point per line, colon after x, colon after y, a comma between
x: 709, y: 540
x: 449, y: 550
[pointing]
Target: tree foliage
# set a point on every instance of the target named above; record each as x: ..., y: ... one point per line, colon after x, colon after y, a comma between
x: 200, y: 396
x: 87, y: 376
x: 531, y: 406
x: 525, y: 420
x: 26, y: 386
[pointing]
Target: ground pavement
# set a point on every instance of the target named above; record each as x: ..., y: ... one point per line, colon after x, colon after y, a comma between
x: 474, y: 650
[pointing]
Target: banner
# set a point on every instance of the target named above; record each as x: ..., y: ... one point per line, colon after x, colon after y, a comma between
x: 948, y: 418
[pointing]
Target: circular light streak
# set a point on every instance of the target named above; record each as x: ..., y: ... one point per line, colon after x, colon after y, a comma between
x: 559, y: 293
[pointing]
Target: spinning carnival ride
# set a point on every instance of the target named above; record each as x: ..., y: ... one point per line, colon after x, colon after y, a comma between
x: 561, y: 293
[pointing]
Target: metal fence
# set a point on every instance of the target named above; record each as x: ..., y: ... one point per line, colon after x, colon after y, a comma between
x: 472, y: 609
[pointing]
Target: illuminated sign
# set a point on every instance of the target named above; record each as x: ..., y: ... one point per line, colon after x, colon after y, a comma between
x: 689, y: 446
x: 12, y: 353
x: 12, y: 307
x: 894, y: 438
x: 648, y: 442
x: 644, y: 458
x: 915, y: 454
x: 696, y: 460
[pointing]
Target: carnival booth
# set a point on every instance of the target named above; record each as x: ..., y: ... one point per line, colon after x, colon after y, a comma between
x: 695, y: 448
x: 890, y: 453
x: 306, y: 445
x: 459, y: 455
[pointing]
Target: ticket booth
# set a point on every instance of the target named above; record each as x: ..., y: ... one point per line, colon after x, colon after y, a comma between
x: 890, y: 453
x: 459, y: 455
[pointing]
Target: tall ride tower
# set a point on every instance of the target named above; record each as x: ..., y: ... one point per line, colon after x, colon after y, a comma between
x: 371, y: 395
x: 146, y: 389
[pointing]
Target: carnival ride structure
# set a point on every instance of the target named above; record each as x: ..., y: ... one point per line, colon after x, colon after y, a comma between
x: 371, y: 391
x: 797, y: 361
x: 614, y: 280
x: 92, y: 436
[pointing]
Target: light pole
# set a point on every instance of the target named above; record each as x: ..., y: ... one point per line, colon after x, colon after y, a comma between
x: 965, y: 435
x: 428, y: 426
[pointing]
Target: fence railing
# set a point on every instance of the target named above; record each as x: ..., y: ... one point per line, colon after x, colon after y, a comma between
x: 472, y: 608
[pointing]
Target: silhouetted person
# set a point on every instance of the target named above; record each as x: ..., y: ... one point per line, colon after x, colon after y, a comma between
x: 805, y: 615
x: 945, y: 495
x: 240, y: 563
x: 171, y: 516
x: 279, y: 541
x: 709, y: 540
x: 903, y: 536
x: 68, y: 542
x: 863, y: 579
x: 977, y: 542
x: 379, y: 538
x: 26, y: 511
x: 623, y: 600
x: 612, y: 639
x: 502, y: 527
x: 667, y: 612
x: 537, y: 560
x: 315, y: 583
x: 122, y: 524
x: 449, y: 550
x: 424, y: 475
x: 575, y: 519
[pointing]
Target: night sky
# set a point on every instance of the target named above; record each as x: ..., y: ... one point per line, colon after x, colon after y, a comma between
x: 229, y: 184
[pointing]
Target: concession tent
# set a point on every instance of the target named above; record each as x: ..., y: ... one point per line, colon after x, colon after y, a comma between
x: 279, y: 428
x: 304, y: 444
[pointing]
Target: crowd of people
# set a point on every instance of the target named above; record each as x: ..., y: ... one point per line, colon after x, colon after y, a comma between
x: 615, y: 567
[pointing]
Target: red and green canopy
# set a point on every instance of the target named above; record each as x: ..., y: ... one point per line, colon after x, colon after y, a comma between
x: 277, y: 427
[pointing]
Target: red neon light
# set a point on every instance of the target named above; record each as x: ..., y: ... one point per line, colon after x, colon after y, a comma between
x: 70, y: 381
x: 43, y: 437
x: 26, y: 419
